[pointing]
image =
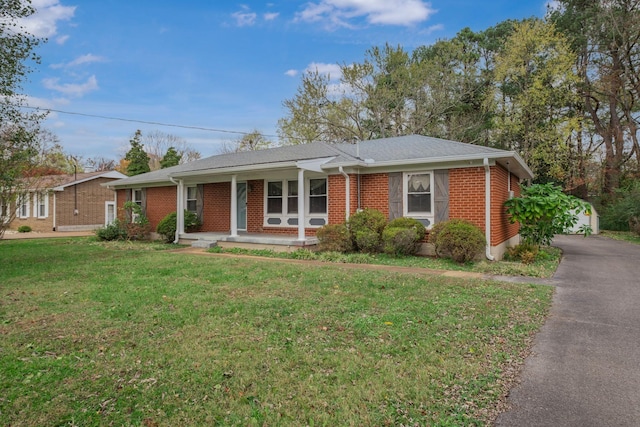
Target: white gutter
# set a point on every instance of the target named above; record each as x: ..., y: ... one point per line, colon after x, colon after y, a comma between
x: 179, y: 209
x: 54, y: 211
x: 347, y: 191
x: 487, y: 209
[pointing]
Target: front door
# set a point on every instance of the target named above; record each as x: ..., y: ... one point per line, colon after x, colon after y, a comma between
x: 242, y: 206
x: 110, y: 213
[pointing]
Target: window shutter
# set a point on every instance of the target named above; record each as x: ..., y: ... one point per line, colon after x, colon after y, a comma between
x: 395, y: 195
x: 144, y: 202
x: 200, y: 201
x: 441, y: 195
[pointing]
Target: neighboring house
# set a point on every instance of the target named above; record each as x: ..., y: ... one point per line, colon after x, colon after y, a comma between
x: 293, y: 190
x: 68, y: 203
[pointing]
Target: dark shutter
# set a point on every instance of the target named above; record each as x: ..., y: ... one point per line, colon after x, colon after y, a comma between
x: 200, y: 201
x: 395, y: 195
x: 441, y: 196
x: 144, y: 201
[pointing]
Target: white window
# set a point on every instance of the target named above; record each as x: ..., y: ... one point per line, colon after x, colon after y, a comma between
x: 281, y: 202
x: 40, y: 205
x: 136, y: 197
x: 418, y: 195
x: 192, y: 199
x: 23, y: 206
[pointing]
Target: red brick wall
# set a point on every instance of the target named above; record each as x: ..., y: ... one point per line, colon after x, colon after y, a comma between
x: 255, y: 207
x: 466, y: 195
x: 216, y: 216
x: 374, y: 192
x: 161, y: 201
x: 501, y: 229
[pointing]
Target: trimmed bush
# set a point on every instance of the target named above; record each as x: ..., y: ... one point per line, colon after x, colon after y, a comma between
x: 168, y: 225
x: 366, y: 229
x: 334, y: 238
x: 404, y: 222
x: 401, y: 241
x: 24, y: 229
x: 368, y: 241
x: 113, y: 231
x: 458, y: 239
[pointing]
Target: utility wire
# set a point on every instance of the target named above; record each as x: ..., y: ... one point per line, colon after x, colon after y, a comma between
x: 73, y: 113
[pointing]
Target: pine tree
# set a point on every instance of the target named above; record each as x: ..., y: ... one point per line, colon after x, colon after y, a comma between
x: 137, y: 157
x: 171, y: 158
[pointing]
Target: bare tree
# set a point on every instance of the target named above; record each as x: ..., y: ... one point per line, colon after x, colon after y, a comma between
x: 252, y: 141
x: 157, y: 143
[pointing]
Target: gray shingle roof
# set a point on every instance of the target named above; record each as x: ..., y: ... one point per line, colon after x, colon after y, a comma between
x: 413, y: 147
x: 396, y: 149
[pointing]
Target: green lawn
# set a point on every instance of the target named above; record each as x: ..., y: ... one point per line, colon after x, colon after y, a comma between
x: 127, y: 334
x: 626, y: 236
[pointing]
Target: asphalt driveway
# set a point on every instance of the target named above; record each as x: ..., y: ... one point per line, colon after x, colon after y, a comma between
x: 585, y: 366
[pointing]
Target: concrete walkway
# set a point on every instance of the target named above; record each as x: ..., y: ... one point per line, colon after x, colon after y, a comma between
x: 8, y: 235
x: 585, y: 364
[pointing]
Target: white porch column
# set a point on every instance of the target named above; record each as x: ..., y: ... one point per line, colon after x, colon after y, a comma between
x: 234, y: 205
x: 301, y: 207
x: 180, y: 208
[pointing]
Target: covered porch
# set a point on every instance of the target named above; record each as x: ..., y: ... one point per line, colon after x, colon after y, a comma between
x: 276, y: 242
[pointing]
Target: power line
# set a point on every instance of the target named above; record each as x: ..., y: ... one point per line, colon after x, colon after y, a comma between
x: 121, y: 119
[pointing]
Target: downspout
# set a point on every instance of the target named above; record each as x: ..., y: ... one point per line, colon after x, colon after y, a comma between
x: 487, y: 209
x: 54, y: 211
x: 359, y: 207
x: 347, y: 191
x: 179, y: 211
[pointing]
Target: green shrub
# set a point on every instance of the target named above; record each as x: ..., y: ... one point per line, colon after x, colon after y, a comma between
x: 400, y: 241
x: 305, y: 254
x: 458, y: 239
x: 24, y: 229
x: 366, y: 229
x: 167, y: 226
x: 334, y: 238
x: 113, y: 231
x: 404, y: 222
x: 622, y: 213
x: 368, y: 241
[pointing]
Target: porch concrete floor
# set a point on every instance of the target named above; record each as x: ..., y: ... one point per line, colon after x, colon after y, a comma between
x: 251, y: 238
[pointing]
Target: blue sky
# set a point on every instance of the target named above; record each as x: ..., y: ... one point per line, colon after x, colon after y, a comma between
x: 214, y: 64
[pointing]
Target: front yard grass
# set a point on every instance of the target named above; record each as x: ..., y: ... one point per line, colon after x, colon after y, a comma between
x: 125, y: 334
x: 627, y: 236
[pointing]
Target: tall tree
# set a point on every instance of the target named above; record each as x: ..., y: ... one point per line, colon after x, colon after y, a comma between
x: 605, y: 35
x: 18, y: 130
x: 535, y: 89
x: 157, y: 143
x: 170, y: 158
x: 136, y: 156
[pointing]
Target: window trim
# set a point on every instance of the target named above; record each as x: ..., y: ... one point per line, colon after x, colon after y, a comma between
x: 405, y: 196
x: 21, y: 201
x: 194, y: 199
x: 285, y: 215
x: 37, y: 198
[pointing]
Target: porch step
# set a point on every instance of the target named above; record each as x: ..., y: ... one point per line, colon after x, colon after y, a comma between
x: 205, y: 244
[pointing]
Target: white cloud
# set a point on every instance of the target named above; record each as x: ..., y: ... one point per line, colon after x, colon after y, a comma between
x: 84, y: 59
x: 339, y: 13
x: 44, y: 22
x: 332, y: 70
x: 291, y: 73
x: 271, y: 16
x: 245, y: 17
x: 72, y: 89
x: 62, y: 39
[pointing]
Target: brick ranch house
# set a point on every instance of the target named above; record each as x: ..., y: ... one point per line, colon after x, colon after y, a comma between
x: 283, y: 195
x: 68, y: 202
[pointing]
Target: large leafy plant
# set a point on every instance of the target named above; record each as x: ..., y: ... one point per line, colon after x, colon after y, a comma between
x: 544, y: 211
